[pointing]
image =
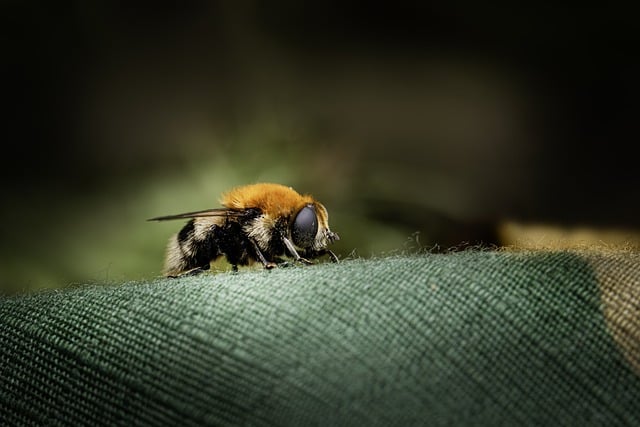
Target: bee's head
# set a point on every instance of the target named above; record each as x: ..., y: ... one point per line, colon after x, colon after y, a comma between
x: 304, y: 228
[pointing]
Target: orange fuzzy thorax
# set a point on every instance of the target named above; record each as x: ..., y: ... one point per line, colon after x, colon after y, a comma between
x: 273, y: 199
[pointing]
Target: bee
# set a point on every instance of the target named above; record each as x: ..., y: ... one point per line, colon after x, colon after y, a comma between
x: 258, y: 223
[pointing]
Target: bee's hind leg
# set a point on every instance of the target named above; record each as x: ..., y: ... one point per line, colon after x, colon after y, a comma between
x: 192, y: 272
x: 283, y: 262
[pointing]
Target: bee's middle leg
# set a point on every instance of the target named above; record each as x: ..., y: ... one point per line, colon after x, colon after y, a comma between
x: 266, y: 264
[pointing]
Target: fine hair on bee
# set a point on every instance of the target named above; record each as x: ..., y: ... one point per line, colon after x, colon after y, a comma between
x: 258, y: 223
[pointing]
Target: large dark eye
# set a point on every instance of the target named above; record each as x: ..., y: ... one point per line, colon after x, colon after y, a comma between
x: 305, y: 227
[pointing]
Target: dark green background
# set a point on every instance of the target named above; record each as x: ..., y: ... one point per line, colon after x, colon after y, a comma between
x: 437, y: 118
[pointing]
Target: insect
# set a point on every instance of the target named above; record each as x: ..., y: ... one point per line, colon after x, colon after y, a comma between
x: 258, y: 223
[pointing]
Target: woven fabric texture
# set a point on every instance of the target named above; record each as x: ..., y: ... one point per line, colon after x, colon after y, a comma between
x: 471, y: 338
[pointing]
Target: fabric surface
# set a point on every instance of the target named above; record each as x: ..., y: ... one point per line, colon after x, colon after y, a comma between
x: 470, y: 338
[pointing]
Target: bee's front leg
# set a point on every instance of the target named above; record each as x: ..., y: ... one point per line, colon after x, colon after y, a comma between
x: 292, y: 250
x: 333, y: 256
x: 321, y: 252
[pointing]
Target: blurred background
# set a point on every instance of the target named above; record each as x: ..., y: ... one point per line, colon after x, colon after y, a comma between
x: 435, y: 125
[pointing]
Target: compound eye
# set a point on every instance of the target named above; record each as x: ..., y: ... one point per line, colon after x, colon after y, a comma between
x: 305, y: 227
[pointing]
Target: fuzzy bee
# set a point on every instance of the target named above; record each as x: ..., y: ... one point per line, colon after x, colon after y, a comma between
x: 258, y: 223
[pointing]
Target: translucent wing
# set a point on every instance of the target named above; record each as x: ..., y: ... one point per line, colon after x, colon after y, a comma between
x: 199, y: 214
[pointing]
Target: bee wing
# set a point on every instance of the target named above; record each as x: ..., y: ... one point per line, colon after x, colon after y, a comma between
x: 198, y: 214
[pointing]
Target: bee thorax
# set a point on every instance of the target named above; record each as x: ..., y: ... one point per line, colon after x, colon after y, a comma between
x: 261, y: 230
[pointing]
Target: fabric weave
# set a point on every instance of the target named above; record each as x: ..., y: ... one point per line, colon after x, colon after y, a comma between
x: 470, y: 338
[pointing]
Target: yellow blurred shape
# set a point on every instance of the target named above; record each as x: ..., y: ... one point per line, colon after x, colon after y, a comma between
x: 517, y: 235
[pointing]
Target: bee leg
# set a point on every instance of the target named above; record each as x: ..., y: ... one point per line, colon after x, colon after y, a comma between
x: 321, y: 252
x: 294, y: 253
x: 192, y: 272
x: 283, y: 262
x: 268, y: 265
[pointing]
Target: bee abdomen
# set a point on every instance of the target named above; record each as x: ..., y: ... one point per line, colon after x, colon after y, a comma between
x: 193, y: 247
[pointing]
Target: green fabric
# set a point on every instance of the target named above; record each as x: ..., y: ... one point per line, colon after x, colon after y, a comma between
x: 471, y: 338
